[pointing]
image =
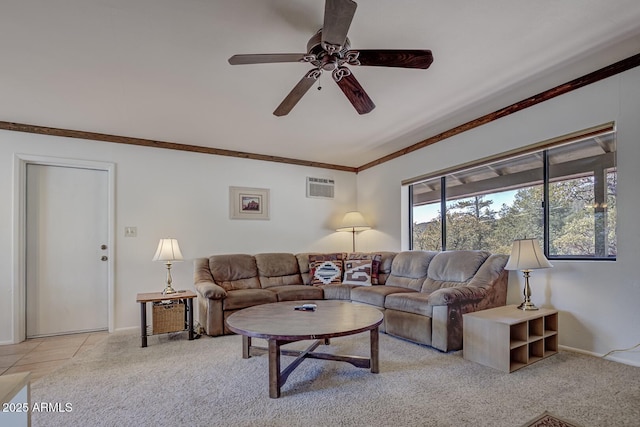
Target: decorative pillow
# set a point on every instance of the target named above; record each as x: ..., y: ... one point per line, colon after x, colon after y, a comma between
x: 376, y: 260
x: 325, y: 269
x: 357, y: 272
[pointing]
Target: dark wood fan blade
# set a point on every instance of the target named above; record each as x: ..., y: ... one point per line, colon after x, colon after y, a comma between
x: 266, y: 58
x: 356, y: 94
x: 338, y: 15
x: 396, y: 58
x: 295, y: 95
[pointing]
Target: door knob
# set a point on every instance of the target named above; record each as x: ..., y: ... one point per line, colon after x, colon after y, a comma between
x: 104, y: 258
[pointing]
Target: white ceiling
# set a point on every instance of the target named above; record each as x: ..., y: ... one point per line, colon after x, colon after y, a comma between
x: 157, y: 69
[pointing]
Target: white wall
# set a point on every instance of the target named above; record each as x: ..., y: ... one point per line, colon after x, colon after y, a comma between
x: 167, y: 193
x: 598, y: 301
x: 184, y: 195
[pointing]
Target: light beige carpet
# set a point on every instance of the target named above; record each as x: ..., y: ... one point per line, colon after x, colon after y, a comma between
x: 205, y: 382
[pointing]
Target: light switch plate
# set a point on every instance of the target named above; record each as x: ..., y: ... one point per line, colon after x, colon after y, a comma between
x: 130, y: 231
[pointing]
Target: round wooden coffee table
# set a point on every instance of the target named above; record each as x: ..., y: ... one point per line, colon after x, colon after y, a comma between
x: 279, y: 323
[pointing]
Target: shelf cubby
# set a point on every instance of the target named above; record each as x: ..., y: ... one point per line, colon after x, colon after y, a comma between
x: 508, y: 339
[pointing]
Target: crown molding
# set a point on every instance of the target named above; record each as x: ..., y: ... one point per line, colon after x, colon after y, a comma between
x: 603, y: 73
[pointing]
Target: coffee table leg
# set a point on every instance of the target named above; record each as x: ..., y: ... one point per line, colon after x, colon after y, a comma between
x: 246, y: 347
x: 274, y: 369
x: 375, y: 368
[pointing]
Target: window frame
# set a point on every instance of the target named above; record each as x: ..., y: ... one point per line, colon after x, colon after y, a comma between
x: 542, y: 148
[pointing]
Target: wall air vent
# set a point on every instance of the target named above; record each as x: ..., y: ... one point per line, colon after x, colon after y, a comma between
x: 320, y: 187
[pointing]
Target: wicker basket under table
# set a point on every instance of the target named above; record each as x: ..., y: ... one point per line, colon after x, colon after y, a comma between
x: 168, y: 317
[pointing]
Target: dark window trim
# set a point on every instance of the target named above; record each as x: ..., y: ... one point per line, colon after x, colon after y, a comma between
x: 443, y: 209
x: 545, y: 202
x: 410, y: 218
x: 541, y: 147
x: 564, y: 139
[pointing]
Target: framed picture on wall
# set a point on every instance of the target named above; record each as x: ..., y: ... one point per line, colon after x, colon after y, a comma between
x: 248, y: 203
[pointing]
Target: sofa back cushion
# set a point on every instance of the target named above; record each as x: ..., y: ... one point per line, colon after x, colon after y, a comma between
x: 489, y: 271
x: 385, y: 266
x: 278, y: 269
x: 409, y: 269
x: 453, y: 268
x: 303, y: 266
x: 237, y: 271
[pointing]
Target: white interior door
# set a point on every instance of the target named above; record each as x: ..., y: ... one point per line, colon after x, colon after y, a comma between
x: 66, y: 228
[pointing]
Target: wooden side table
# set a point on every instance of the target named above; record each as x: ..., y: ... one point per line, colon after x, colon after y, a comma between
x: 185, y: 296
x: 507, y: 338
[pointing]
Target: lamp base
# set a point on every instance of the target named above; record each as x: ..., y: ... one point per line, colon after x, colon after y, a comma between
x: 169, y: 290
x: 527, y: 305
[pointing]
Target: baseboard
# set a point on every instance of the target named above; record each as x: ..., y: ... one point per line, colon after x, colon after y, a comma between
x: 591, y: 353
x: 10, y: 342
x: 128, y: 328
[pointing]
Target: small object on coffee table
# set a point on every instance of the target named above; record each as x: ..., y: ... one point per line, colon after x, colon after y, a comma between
x: 306, y: 307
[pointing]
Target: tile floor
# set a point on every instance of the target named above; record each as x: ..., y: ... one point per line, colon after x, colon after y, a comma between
x: 41, y: 356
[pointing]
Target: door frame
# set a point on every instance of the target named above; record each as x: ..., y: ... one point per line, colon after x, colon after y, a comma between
x: 19, y: 261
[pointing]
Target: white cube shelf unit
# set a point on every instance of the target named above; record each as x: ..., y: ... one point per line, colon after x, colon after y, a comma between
x: 507, y: 338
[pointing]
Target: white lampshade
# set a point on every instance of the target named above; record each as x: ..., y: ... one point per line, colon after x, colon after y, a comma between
x: 168, y: 250
x: 353, y: 221
x: 526, y: 254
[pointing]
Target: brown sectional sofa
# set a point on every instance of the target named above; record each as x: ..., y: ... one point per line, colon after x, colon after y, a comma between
x: 423, y: 294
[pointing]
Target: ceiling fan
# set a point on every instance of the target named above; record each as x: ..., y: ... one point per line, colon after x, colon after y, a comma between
x: 330, y: 50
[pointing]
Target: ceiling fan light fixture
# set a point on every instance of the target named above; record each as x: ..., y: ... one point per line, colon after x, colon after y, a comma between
x: 329, y: 49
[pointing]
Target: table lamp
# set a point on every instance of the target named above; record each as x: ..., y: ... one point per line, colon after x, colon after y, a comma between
x: 526, y: 255
x: 353, y: 221
x: 168, y: 251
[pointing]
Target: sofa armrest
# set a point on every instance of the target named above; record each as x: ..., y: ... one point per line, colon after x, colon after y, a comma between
x: 457, y: 295
x: 210, y: 290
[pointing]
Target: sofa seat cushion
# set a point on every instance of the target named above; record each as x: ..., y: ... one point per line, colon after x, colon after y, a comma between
x: 415, y: 302
x: 243, y: 298
x: 375, y: 295
x: 296, y: 292
x: 337, y: 292
x: 278, y: 269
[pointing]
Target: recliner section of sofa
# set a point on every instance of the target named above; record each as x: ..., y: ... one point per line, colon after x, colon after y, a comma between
x: 457, y: 282
x: 423, y: 294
